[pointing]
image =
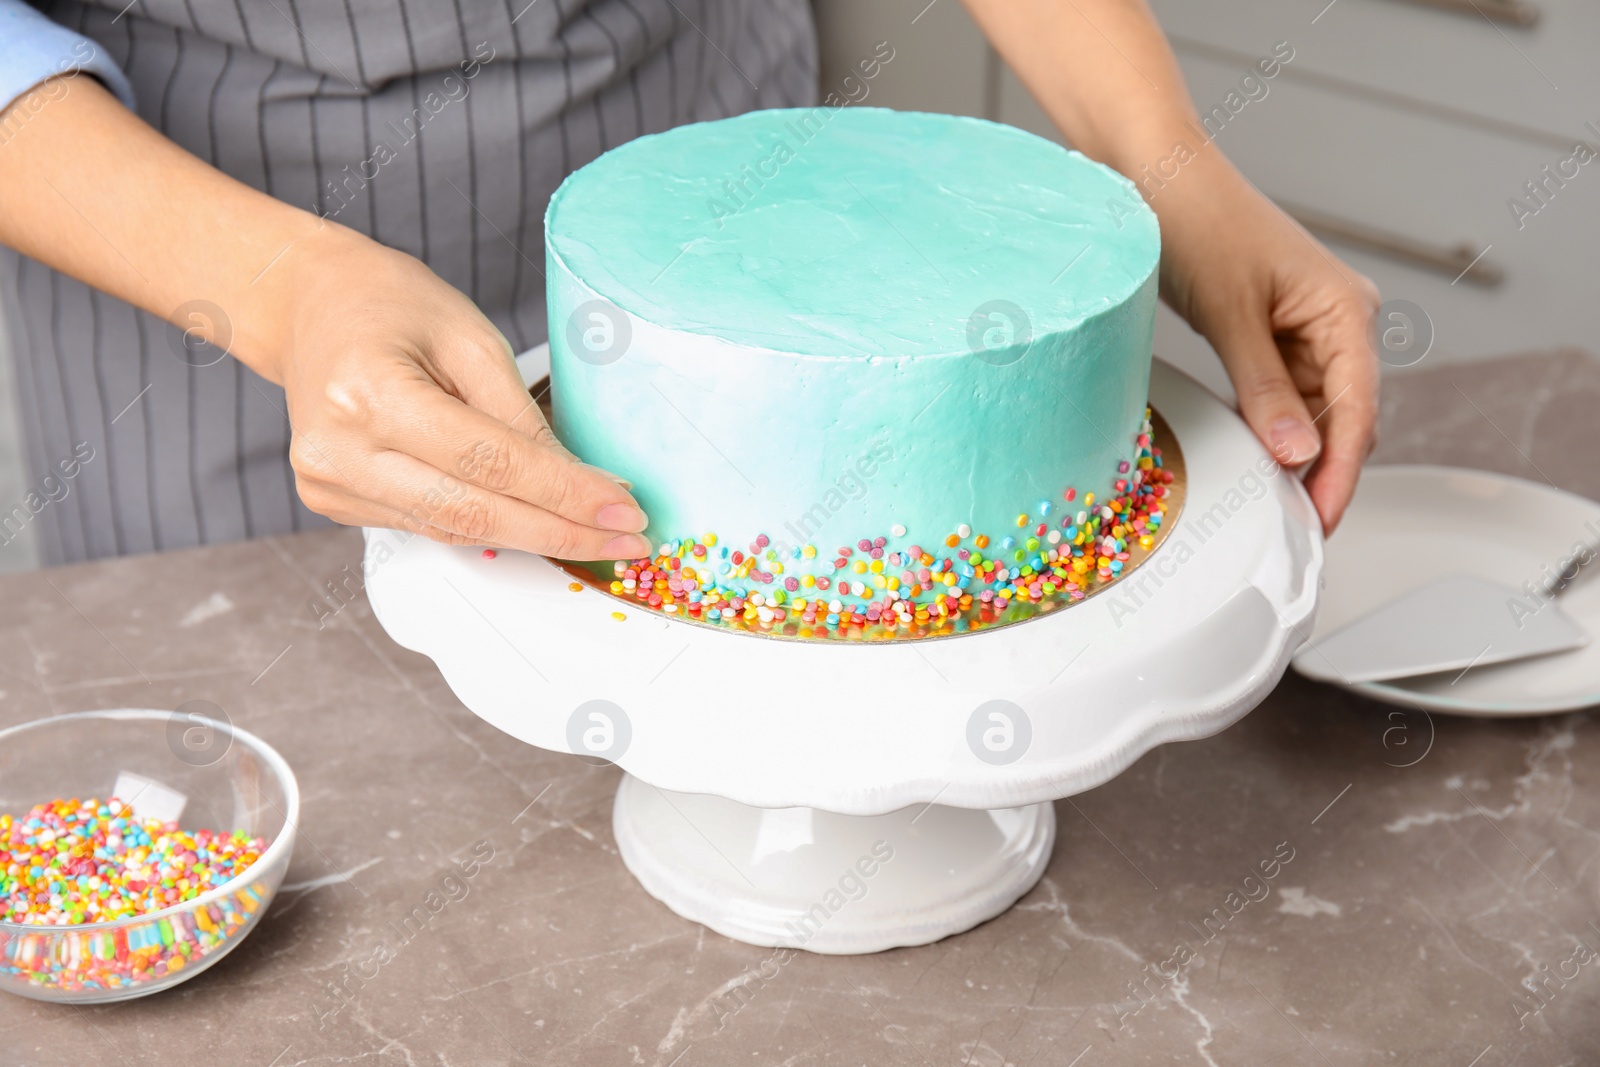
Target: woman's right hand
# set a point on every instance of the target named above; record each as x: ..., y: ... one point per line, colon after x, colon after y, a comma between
x: 406, y: 407
x: 408, y: 412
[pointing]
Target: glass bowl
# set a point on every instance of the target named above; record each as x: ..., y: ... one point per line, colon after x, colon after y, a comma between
x: 190, y: 768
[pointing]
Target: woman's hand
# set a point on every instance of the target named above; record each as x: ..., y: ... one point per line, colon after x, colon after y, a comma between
x: 1290, y: 322
x: 408, y: 412
x: 406, y: 407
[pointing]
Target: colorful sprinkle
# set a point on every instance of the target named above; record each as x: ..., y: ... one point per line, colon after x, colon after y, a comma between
x: 488, y: 553
x: 72, y: 861
x: 911, y: 591
x: 91, y: 866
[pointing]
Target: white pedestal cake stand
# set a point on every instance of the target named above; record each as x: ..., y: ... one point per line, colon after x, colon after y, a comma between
x: 846, y: 797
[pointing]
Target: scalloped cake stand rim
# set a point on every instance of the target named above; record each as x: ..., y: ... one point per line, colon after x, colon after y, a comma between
x: 867, y: 730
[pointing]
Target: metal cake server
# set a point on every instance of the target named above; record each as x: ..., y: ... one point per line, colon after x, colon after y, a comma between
x: 1456, y: 622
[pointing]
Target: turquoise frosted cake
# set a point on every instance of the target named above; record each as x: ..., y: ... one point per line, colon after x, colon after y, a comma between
x: 861, y: 366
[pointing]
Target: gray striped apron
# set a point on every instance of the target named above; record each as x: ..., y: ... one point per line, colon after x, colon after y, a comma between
x: 293, y: 97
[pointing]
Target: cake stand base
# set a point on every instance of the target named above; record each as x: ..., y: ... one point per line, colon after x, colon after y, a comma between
x: 836, y: 884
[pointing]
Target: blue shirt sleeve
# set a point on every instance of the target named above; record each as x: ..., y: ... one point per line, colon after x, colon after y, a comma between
x: 32, y: 49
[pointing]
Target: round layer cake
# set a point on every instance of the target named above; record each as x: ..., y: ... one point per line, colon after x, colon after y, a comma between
x: 828, y: 346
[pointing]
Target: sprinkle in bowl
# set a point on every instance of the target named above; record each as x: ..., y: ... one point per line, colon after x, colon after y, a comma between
x: 179, y: 885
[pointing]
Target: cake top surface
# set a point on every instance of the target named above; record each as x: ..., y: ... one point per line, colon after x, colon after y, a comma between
x: 853, y: 232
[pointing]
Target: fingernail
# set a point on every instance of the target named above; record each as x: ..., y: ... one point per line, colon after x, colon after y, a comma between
x: 628, y: 546
x: 621, y: 517
x: 1294, y: 441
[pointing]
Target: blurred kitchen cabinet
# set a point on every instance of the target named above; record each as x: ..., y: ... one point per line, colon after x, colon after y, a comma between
x: 1420, y: 136
x: 1402, y: 181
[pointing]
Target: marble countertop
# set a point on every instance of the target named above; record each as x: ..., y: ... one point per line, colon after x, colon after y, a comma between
x: 1430, y: 874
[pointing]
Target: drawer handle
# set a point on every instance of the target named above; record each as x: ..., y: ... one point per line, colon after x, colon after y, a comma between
x: 1458, y: 262
x: 1511, y: 12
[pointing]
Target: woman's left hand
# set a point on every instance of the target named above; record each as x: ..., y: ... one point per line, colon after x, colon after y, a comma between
x: 1289, y: 320
x: 1291, y: 323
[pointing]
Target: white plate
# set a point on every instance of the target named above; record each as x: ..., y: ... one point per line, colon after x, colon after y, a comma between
x: 1409, y: 525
